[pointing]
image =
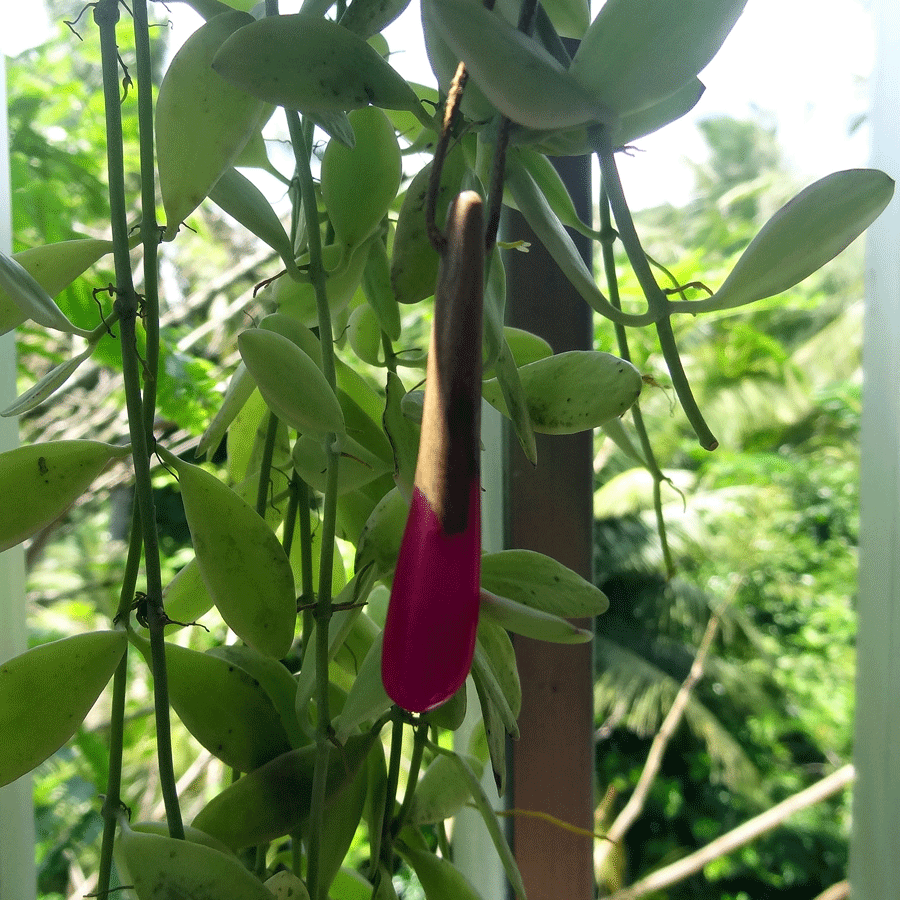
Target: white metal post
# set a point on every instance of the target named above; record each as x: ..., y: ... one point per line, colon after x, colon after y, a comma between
x: 875, y: 842
x: 17, y: 873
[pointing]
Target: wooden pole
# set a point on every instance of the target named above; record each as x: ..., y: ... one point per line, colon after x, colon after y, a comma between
x: 549, y: 509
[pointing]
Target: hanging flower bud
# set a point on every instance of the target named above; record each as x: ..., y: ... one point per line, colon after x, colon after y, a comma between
x: 429, y: 636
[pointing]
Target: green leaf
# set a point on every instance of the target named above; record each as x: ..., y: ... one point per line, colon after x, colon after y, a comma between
x: 185, y: 597
x: 46, y: 692
x: 52, y: 476
x: 529, y: 622
x: 442, y: 791
x: 572, y: 391
x: 279, y: 367
x: 803, y: 236
x: 48, y: 385
x: 240, y: 387
x: 403, y: 435
x: 494, y: 730
x: 519, y: 77
x: 304, y: 61
x: 30, y: 299
x: 440, y: 879
x: 638, y: 52
x: 244, y: 201
x: 513, y: 398
x: 243, y: 564
x: 498, y: 651
x: 366, y: 700
x: 541, y: 582
x: 274, y: 799
x: 202, y: 121
x: 54, y: 267
x: 222, y: 706
x: 339, y: 827
x: 488, y: 682
x: 569, y: 17
x: 492, y: 823
x: 549, y: 229
x: 645, y: 121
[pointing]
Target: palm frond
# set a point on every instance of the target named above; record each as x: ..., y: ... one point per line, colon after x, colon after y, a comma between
x: 628, y: 678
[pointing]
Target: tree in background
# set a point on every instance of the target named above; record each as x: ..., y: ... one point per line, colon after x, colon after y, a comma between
x: 763, y: 533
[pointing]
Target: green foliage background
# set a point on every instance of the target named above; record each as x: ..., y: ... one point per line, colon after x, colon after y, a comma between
x: 768, y: 522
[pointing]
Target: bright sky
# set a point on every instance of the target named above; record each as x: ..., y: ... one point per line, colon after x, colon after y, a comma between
x: 803, y: 61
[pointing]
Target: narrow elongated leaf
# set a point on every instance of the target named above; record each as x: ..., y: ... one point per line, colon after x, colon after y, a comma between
x: 542, y: 583
x: 441, y: 792
x: 529, y: 622
x: 244, y: 201
x: 500, y: 656
x: 803, y: 235
x: 31, y: 300
x: 547, y: 226
x: 48, y: 385
x: 291, y: 383
x: 237, y: 394
x: 488, y: 684
x: 54, y: 267
x: 439, y: 878
x: 202, y: 121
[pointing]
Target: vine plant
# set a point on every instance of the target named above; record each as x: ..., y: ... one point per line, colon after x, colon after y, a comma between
x: 298, y: 718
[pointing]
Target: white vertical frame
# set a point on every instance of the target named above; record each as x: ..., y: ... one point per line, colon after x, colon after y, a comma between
x: 473, y: 852
x: 875, y: 842
x: 17, y: 870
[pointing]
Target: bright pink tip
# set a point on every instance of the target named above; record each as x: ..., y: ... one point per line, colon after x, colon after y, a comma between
x: 429, y: 635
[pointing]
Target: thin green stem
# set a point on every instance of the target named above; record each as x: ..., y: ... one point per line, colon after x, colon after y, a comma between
x: 265, y: 466
x: 259, y: 866
x: 419, y: 741
x: 443, y: 841
x: 390, y: 358
x: 317, y: 802
x: 307, y: 589
x: 149, y: 225
x: 113, y: 799
x: 657, y: 301
x: 608, y: 237
x: 302, y: 152
x: 106, y: 15
x: 393, y: 780
x: 290, y: 517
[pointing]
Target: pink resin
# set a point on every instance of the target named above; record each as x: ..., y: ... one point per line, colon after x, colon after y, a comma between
x: 429, y: 635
